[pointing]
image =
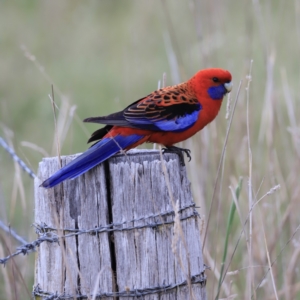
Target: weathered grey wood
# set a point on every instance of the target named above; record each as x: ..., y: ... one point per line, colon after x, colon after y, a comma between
x: 128, y: 187
x: 75, y: 264
x: 138, y: 189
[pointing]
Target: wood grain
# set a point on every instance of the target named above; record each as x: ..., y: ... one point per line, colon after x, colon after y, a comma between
x: 127, y: 187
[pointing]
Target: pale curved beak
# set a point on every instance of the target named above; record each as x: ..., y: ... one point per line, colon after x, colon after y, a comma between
x: 228, y: 86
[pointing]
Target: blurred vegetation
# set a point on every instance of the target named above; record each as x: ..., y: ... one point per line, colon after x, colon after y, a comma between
x: 102, y: 55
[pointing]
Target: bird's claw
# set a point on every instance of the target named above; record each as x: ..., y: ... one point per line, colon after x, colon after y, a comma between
x: 178, y: 151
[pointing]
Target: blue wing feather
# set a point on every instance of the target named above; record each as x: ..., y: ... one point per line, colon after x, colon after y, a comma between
x: 160, y: 111
x: 177, y: 124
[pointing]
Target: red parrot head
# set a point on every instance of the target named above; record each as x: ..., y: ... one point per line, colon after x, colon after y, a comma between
x: 215, y: 83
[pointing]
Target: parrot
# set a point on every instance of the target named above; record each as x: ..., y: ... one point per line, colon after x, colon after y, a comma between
x: 166, y: 116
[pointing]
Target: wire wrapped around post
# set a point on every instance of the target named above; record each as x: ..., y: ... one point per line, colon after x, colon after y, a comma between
x: 124, y: 229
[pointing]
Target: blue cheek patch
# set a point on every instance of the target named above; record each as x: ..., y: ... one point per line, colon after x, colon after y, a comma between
x: 217, y: 92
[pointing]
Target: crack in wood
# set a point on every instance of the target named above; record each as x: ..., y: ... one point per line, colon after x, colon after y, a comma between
x: 78, y: 261
x: 110, y: 221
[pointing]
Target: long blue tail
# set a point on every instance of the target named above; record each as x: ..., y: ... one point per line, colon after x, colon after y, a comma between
x: 95, y: 155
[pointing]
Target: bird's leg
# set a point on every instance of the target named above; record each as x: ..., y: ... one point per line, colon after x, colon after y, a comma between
x: 179, y: 151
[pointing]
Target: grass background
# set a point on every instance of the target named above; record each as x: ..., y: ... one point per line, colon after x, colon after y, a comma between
x: 103, y: 55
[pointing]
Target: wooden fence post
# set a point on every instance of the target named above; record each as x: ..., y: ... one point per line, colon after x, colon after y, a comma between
x: 112, y: 232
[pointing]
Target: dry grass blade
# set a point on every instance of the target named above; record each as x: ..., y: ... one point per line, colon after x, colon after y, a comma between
x: 7, y: 229
x: 35, y: 148
x: 16, y: 158
x: 174, y: 43
x: 280, y: 253
x: 250, y: 277
x: 15, y: 274
x: 268, y: 256
x: 221, y: 163
x: 224, y: 287
x: 98, y: 61
x: 234, y: 206
x: 290, y: 273
x: 6, y: 279
x: 55, y: 125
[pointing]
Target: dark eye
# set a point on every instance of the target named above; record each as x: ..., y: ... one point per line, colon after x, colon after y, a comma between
x: 215, y: 79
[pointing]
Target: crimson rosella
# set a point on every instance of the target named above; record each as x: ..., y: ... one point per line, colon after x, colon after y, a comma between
x: 166, y: 116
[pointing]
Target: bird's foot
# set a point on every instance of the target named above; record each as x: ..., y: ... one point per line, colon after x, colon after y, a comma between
x: 179, y: 151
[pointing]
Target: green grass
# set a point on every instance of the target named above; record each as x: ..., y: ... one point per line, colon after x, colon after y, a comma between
x: 102, y: 55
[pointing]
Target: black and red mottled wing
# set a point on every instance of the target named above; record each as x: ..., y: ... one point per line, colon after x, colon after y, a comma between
x: 170, y: 109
